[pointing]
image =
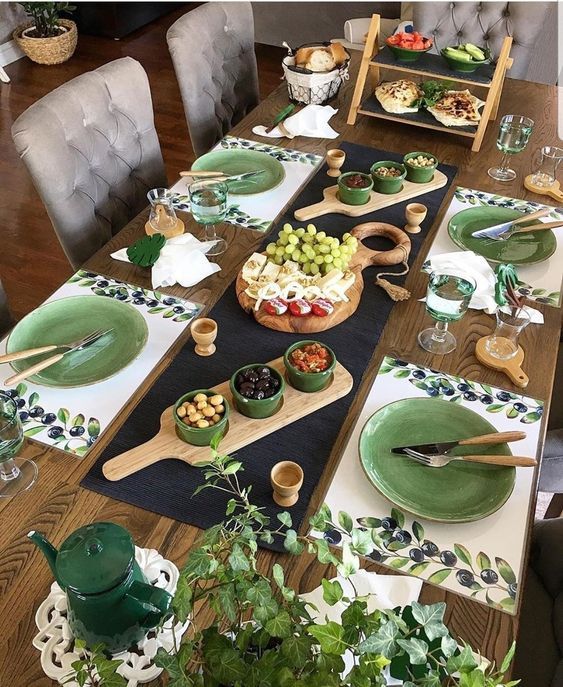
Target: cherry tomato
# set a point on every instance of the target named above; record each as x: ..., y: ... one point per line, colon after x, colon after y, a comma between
x: 321, y: 307
x: 275, y: 306
x: 300, y: 308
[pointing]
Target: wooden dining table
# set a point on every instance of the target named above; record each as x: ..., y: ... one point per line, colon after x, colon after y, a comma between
x: 57, y: 505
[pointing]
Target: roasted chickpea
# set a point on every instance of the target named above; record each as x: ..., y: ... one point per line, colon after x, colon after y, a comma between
x: 216, y: 400
x: 181, y: 412
x: 216, y: 418
x: 200, y: 397
x: 220, y: 409
x: 208, y: 411
x: 202, y: 424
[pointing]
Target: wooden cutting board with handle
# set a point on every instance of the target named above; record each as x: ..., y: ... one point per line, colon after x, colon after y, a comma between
x: 362, y: 258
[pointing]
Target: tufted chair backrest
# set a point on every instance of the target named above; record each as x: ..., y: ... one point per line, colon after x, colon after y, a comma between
x: 484, y: 24
x: 6, y: 320
x: 212, y: 48
x: 93, y: 153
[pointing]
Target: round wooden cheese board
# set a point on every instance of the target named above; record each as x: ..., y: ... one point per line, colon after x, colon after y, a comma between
x: 362, y: 258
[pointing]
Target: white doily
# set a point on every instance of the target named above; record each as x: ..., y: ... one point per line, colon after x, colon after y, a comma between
x: 56, y: 642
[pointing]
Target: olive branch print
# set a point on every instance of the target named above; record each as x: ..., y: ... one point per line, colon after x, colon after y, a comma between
x: 456, y: 389
x: 387, y: 541
x: 153, y: 302
x: 281, y: 154
x: 69, y: 434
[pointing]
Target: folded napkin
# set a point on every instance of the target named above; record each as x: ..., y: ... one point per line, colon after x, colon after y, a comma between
x: 311, y: 121
x: 467, y: 263
x: 182, y: 260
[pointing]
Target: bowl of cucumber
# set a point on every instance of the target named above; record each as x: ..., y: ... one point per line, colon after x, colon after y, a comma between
x: 466, y: 57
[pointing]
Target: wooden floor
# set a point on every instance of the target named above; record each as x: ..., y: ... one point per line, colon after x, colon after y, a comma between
x: 32, y: 264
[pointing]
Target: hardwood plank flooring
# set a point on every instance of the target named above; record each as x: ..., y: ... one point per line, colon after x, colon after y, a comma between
x: 32, y: 263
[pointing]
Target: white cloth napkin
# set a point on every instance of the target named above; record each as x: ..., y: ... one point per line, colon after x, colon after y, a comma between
x: 182, y: 260
x: 311, y: 121
x: 467, y: 263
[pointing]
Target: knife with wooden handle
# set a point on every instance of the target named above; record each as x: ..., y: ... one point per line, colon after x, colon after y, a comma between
x: 30, y: 352
x: 515, y: 461
x: 34, y: 369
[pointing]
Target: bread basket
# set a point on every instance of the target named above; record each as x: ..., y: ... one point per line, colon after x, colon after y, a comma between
x: 310, y: 87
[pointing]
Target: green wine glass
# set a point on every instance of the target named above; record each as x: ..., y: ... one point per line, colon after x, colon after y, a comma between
x: 16, y: 474
x: 447, y: 299
x: 513, y: 136
x: 208, y: 204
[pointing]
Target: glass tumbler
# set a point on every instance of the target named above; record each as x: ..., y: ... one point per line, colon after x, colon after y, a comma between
x: 16, y: 474
x: 162, y: 216
x: 503, y: 342
x: 546, y: 162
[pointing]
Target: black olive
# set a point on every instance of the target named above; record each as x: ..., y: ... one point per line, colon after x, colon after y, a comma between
x: 240, y: 380
x: 275, y: 383
x: 263, y: 372
x: 258, y: 395
x: 269, y: 392
x: 264, y: 384
x: 246, y: 387
x: 249, y: 393
x: 252, y: 376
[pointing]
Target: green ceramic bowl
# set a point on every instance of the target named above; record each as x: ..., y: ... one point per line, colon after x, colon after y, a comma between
x: 406, y: 55
x: 387, y: 184
x: 420, y: 175
x: 462, y: 66
x: 308, y: 382
x: 195, y: 435
x: 257, y: 409
x: 354, y: 196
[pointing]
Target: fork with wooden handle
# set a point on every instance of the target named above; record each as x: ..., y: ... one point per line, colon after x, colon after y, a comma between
x: 536, y: 227
x: 204, y: 174
x: 441, y: 461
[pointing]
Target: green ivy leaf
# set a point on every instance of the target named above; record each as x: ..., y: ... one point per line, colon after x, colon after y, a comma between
x: 291, y: 543
x: 448, y: 645
x: 296, y: 650
x: 505, y: 571
x: 439, y: 576
x: 279, y: 626
x: 227, y: 599
x: 483, y: 561
x: 237, y: 559
x: 431, y: 617
x: 417, y: 649
x: 182, y: 601
x: 361, y: 542
x: 332, y: 592
x: 278, y: 575
x: 507, y: 660
x: 463, y: 554
x: 383, y: 642
x: 321, y: 521
x: 464, y: 662
x: 285, y: 518
x: 330, y: 637
x: 324, y: 554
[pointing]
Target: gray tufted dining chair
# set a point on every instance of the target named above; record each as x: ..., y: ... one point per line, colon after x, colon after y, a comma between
x: 485, y: 24
x: 6, y: 319
x: 212, y: 48
x: 93, y: 153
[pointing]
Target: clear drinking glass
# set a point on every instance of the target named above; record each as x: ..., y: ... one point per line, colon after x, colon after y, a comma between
x: 162, y: 216
x: 503, y: 342
x: 447, y: 299
x: 208, y: 204
x: 513, y: 136
x: 546, y: 162
x: 16, y: 474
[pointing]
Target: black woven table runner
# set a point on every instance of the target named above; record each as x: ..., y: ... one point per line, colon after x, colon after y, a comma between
x: 167, y: 487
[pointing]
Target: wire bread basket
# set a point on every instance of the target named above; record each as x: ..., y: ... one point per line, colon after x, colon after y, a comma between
x: 310, y: 87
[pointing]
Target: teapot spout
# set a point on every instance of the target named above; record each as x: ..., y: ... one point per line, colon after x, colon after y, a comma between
x: 49, y: 551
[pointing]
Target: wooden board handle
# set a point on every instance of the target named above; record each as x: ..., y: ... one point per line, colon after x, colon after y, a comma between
x: 34, y: 369
x: 325, y: 207
x: 29, y: 353
x: 555, y: 193
x: 497, y: 438
x: 513, y: 461
x: 134, y: 460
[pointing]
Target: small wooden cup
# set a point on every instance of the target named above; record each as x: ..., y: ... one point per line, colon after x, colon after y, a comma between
x: 204, y: 332
x: 415, y: 214
x: 287, y: 479
x: 335, y: 159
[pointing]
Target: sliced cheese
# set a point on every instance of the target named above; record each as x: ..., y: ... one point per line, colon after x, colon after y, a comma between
x: 332, y: 277
x: 271, y: 270
x: 253, y: 266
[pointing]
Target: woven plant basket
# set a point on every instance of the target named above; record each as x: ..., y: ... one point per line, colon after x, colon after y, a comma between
x: 52, y: 50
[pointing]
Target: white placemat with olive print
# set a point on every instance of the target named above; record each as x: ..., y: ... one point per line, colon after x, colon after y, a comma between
x: 481, y: 559
x: 540, y: 281
x: 258, y: 211
x: 72, y: 419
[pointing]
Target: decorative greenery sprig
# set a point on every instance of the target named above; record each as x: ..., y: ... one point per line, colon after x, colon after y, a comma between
x: 433, y: 91
x: 95, y: 668
x: 263, y: 635
x: 46, y: 16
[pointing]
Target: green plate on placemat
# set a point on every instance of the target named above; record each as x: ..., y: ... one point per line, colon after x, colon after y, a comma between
x: 70, y: 319
x: 237, y: 161
x: 519, y: 249
x: 458, y: 492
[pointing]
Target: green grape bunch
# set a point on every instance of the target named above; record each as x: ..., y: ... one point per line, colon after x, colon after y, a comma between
x: 314, y: 251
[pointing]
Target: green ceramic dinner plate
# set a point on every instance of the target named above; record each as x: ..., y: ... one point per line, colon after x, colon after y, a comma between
x: 519, y: 249
x: 458, y: 492
x: 239, y: 161
x: 70, y: 319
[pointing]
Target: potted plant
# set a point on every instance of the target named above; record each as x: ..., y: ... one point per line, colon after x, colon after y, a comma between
x: 263, y: 635
x: 47, y: 39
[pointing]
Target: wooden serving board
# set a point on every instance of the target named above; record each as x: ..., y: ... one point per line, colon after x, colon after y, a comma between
x: 241, y: 431
x: 331, y: 204
x: 362, y: 258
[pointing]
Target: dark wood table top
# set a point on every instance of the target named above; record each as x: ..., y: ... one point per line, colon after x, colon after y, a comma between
x: 57, y: 505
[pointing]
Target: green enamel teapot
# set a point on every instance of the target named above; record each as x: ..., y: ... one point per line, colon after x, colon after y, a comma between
x: 109, y: 599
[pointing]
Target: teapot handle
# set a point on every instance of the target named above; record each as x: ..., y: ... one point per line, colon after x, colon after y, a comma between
x: 157, y: 601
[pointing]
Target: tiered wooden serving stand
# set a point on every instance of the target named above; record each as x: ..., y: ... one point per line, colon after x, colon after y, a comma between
x: 490, y: 78
x: 241, y: 431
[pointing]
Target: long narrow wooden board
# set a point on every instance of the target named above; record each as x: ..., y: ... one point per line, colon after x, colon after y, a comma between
x: 377, y: 201
x: 242, y: 430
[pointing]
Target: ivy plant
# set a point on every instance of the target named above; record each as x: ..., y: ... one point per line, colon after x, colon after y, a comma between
x: 262, y: 634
